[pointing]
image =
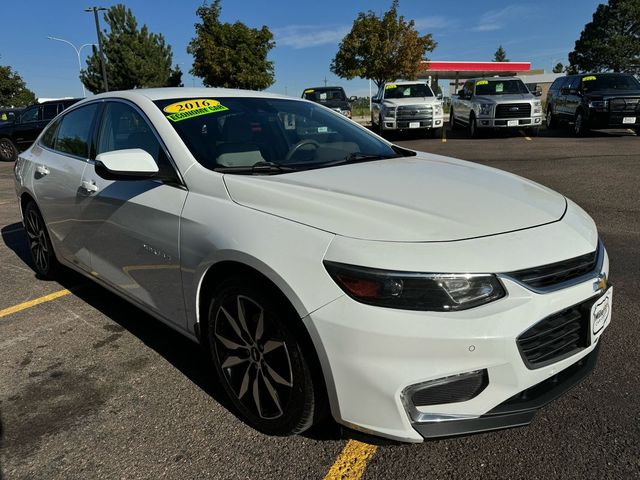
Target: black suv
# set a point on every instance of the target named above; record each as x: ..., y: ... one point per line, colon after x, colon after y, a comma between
x: 18, y: 135
x: 595, y: 100
x: 332, y: 97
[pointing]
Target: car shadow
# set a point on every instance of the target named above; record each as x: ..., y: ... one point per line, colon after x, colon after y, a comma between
x: 179, y: 351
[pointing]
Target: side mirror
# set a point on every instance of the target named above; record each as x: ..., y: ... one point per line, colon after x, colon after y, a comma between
x: 130, y: 164
x: 375, y: 100
x: 353, y: 98
x: 439, y: 96
x: 461, y: 93
x: 537, y: 93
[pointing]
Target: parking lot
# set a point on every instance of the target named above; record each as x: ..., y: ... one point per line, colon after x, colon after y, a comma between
x: 91, y: 387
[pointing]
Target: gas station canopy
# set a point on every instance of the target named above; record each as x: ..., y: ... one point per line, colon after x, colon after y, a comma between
x: 445, y: 70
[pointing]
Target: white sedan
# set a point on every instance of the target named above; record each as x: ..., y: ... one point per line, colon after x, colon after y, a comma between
x: 324, y: 269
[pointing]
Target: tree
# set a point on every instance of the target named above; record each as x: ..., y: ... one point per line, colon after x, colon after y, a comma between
x: 558, y: 68
x: 611, y: 41
x: 500, y: 55
x: 13, y: 89
x: 382, y: 49
x: 230, y: 55
x: 135, y: 58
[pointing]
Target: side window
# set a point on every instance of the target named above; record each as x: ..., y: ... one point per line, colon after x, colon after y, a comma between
x: 573, y: 82
x: 556, y: 85
x: 30, y: 114
x: 468, y: 88
x: 49, y: 137
x: 123, y: 128
x: 49, y: 111
x: 73, y: 135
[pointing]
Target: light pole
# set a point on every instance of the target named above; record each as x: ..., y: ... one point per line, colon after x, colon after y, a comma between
x: 78, y: 50
x: 95, y: 11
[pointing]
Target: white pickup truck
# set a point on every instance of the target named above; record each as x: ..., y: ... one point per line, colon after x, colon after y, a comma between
x: 406, y: 105
x: 496, y: 102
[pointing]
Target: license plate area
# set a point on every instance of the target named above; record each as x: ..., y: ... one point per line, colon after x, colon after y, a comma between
x: 628, y: 120
x: 414, y: 124
x: 512, y: 123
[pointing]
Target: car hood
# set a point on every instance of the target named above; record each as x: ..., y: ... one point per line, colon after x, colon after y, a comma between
x: 513, y: 97
x: 600, y: 94
x: 427, y: 198
x: 410, y: 101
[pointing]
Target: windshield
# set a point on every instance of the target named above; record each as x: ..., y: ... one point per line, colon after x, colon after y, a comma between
x: 407, y: 90
x: 500, y: 87
x: 592, y: 83
x: 235, y: 132
x: 322, y: 95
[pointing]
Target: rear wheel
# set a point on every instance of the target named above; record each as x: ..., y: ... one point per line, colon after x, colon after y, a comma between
x: 259, y: 358
x: 44, y: 260
x: 8, y: 151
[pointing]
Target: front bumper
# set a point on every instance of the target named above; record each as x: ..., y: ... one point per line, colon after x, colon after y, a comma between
x: 524, y: 122
x: 411, y: 124
x: 599, y: 119
x: 371, y: 355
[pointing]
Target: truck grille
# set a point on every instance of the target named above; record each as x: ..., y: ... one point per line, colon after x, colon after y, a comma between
x: 513, y: 110
x: 414, y: 112
x: 624, y: 105
x: 549, y: 276
x: 557, y: 336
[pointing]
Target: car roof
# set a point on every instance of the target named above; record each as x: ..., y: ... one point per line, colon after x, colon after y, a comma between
x: 187, y: 92
x: 494, y: 78
x: 407, y: 82
x: 324, y: 88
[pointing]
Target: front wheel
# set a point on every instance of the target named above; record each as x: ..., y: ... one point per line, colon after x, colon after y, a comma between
x: 44, y: 259
x: 8, y: 151
x: 551, y: 119
x: 580, y: 124
x: 434, y: 133
x: 259, y: 358
x: 452, y: 121
x: 473, y: 127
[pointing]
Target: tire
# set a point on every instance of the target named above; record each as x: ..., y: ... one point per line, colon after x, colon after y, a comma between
x: 8, y: 151
x: 452, y: 122
x: 434, y: 133
x: 580, y: 128
x: 473, y: 127
x: 533, y: 131
x: 552, y: 121
x: 44, y: 258
x: 280, y: 397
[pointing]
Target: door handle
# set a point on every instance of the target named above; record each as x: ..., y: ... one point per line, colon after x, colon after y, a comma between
x: 42, y: 170
x: 90, y: 187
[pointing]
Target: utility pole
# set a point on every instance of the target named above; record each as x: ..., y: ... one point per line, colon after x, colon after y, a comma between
x: 325, y: 80
x: 95, y: 11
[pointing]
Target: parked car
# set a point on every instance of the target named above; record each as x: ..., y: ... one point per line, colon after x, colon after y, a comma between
x: 407, y: 105
x: 18, y: 134
x: 331, y: 97
x: 595, y: 100
x: 9, y: 114
x: 416, y: 295
x: 496, y: 102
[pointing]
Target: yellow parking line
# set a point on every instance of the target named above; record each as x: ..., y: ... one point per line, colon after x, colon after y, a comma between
x: 525, y: 137
x: 34, y: 302
x: 444, y: 134
x: 351, y: 463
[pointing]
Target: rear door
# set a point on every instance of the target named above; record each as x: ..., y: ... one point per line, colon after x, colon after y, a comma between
x: 29, y: 127
x: 60, y: 160
x: 132, y: 226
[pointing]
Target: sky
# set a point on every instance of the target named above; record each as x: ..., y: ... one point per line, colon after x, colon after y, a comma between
x: 307, y: 34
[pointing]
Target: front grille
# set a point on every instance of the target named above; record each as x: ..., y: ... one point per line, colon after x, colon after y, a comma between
x: 557, y: 336
x: 513, y: 110
x: 548, y: 276
x: 414, y: 112
x: 624, y: 105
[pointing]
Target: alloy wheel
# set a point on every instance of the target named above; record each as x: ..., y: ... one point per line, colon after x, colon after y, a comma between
x: 578, y: 124
x: 549, y: 119
x: 253, y: 357
x: 38, y: 244
x: 7, y: 151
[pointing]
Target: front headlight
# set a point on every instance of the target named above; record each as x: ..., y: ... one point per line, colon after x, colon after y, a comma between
x: 437, y: 109
x: 598, y: 104
x: 537, y: 107
x: 389, y: 112
x: 485, y: 108
x: 436, y: 292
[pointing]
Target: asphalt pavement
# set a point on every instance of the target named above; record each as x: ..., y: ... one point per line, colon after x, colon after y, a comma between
x: 91, y: 387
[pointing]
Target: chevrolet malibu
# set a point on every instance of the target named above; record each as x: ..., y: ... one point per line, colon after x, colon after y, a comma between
x: 325, y: 270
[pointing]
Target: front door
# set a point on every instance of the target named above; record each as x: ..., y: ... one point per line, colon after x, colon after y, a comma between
x: 133, y: 225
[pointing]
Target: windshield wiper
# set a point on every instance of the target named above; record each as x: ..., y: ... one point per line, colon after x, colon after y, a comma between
x: 260, y: 168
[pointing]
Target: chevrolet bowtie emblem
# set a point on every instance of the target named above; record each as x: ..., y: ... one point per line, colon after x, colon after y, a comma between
x: 600, y: 284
